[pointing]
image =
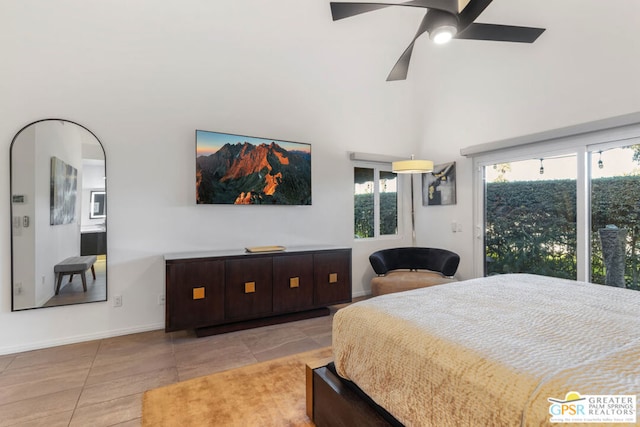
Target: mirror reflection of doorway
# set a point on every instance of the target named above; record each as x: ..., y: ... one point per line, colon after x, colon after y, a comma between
x: 42, y: 238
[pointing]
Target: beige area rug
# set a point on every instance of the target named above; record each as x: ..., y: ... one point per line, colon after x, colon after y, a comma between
x: 270, y: 393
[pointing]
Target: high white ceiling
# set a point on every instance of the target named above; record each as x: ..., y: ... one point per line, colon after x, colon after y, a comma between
x: 293, y: 50
x: 578, y: 31
x: 584, y: 67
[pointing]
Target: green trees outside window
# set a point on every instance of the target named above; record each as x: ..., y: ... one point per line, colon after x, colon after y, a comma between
x: 616, y: 201
x: 364, y: 203
x: 375, y: 203
x: 531, y: 226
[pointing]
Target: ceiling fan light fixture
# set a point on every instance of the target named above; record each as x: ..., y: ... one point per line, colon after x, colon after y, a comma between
x: 443, y: 20
x: 443, y: 34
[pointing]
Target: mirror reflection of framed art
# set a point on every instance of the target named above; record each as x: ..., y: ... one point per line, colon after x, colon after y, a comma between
x: 98, y: 201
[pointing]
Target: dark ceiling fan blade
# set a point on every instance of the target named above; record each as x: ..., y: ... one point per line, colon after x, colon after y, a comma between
x: 450, y: 6
x: 400, y: 70
x: 346, y: 10
x: 471, y: 12
x: 502, y: 33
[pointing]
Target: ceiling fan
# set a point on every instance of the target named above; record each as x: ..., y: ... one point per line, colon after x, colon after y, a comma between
x: 444, y: 20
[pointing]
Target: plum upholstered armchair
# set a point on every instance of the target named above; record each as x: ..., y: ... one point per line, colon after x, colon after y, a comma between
x: 402, y: 269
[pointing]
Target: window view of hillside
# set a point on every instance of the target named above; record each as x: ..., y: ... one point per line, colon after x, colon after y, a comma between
x: 530, y: 217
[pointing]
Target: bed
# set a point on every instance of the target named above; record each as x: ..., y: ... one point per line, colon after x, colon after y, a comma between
x: 489, y: 351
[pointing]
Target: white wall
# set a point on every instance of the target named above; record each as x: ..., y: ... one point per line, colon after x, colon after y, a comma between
x: 23, y: 184
x: 143, y: 75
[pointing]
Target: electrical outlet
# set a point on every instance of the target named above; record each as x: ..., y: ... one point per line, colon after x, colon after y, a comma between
x: 161, y: 299
x: 117, y: 301
x: 18, y: 288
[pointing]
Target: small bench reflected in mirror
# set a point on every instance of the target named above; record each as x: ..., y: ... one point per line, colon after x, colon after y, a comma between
x: 75, y: 265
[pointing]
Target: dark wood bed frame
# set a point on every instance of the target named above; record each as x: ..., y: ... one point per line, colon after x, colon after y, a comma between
x: 334, y: 401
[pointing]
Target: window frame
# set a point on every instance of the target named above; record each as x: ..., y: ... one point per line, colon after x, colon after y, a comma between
x: 583, y: 146
x: 377, y: 168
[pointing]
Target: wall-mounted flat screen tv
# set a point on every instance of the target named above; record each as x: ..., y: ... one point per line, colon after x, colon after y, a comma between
x: 245, y: 170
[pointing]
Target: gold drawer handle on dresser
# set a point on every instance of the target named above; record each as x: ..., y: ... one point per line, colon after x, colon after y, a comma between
x: 198, y: 293
x: 249, y: 287
x: 333, y: 277
x: 294, y: 282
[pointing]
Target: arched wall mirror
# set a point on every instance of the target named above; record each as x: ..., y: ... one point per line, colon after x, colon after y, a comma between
x: 58, y: 216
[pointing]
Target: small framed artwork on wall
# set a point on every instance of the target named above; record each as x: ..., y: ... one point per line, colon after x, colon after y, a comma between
x: 439, y: 186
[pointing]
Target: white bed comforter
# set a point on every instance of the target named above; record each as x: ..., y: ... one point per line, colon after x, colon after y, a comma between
x: 490, y: 351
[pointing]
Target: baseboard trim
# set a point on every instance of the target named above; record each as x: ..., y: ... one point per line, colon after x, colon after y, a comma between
x: 99, y: 335
x: 79, y: 338
x: 360, y: 294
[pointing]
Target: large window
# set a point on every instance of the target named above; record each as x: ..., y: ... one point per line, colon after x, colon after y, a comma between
x: 568, y: 209
x: 530, y: 224
x: 375, y: 202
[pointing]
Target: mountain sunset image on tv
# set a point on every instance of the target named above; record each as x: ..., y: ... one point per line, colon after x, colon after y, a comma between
x: 245, y: 170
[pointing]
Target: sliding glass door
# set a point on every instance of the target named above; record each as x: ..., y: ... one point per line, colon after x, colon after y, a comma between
x: 530, y: 217
x: 571, y: 213
x: 615, y: 216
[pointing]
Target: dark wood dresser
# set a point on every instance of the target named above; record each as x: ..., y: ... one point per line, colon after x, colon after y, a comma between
x: 222, y: 291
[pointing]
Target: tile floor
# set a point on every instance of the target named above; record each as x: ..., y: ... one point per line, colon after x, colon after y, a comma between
x: 101, y: 383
